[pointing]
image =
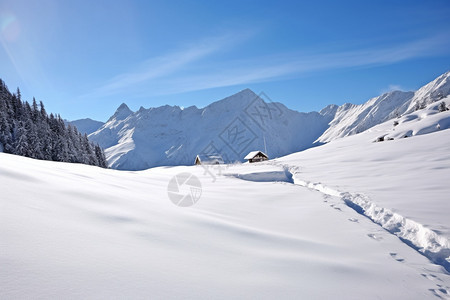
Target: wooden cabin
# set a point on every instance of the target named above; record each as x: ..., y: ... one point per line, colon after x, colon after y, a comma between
x: 256, y: 156
x: 203, y: 159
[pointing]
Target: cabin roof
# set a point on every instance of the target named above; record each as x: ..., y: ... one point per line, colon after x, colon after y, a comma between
x: 254, y: 153
x: 210, y: 158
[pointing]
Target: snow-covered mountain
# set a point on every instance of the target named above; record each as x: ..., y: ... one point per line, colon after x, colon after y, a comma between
x: 232, y: 127
x: 87, y: 125
x: 352, y: 119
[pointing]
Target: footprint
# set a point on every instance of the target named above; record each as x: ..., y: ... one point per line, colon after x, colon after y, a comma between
x: 335, y: 207
x: 430, y: 276
x: 440, y: 293
x: 375, y: 237
x: 353, y: 220
x: 396, y: 257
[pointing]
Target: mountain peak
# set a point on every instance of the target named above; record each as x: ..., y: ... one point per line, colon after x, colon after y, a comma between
x: 246, y: 93
x: 122, y: 112
x: 239, y: 100
x: 329, y: 111
x: 246, y: 90
x: 243, y: 93
x: 123, y: 106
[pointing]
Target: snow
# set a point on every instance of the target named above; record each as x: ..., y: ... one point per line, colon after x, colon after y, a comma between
x: 353, y: 219
x: 400, y: 184
x: 351, y: 119
x: 209, y: 159
x: 76, y: 231
x: 430, y: 93
x: 420, y: 122
x: 252, y: 154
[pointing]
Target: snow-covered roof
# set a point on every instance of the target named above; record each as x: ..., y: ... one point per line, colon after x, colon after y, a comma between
x: 215, y: 158
x: 254, y: 153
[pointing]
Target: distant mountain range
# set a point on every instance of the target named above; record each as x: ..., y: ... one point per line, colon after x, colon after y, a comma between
x: 244, y: 122
x: 170, y: 135
x: 87, y: 125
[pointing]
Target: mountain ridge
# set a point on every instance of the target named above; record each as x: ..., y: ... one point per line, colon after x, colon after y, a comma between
x: 169, y: 135
x: 243, y: 122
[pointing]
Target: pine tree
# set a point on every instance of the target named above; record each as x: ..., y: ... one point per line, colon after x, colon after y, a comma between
x: 442, y: 107
x: 35, y: 111
x: 27, y: 130
x: 43, y: 112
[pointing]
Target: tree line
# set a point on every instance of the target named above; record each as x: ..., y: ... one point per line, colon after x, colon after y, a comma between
x: 27, y: 130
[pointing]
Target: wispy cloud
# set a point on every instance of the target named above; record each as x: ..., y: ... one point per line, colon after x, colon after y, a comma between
x: 392, y: 87
x: 282, y: 66
x: 156, y: 68
x: 188, y: 69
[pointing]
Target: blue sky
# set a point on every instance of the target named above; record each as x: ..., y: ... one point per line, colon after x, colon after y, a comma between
x: 83, y: 59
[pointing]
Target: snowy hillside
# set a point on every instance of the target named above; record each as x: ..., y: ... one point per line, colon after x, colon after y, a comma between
x: 87, y: 125
x: 399, y: 183
x: 432, y: 118
x: 430, y: 93
x: 351, y: 119
x: 297, y: 227
x: 234, y: 126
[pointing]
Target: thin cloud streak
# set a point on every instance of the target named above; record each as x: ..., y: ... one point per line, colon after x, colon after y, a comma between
x: 164, y: 66
x: 253, y: 71
x: 159, y: 76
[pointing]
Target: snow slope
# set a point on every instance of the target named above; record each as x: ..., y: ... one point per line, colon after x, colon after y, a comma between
x: 81, y: 232
x: 234, y: 126
x: 430, y: 93
x: 423, y: 121
x: 399, y: 183
x: 351, y: 119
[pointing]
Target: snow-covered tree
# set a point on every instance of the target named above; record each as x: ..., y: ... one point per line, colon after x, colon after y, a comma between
x: 27, y: 130
x: 442, y: 107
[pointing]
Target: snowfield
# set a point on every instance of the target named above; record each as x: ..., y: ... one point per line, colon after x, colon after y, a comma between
x: 362, y: 217
x: 75, y: 231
